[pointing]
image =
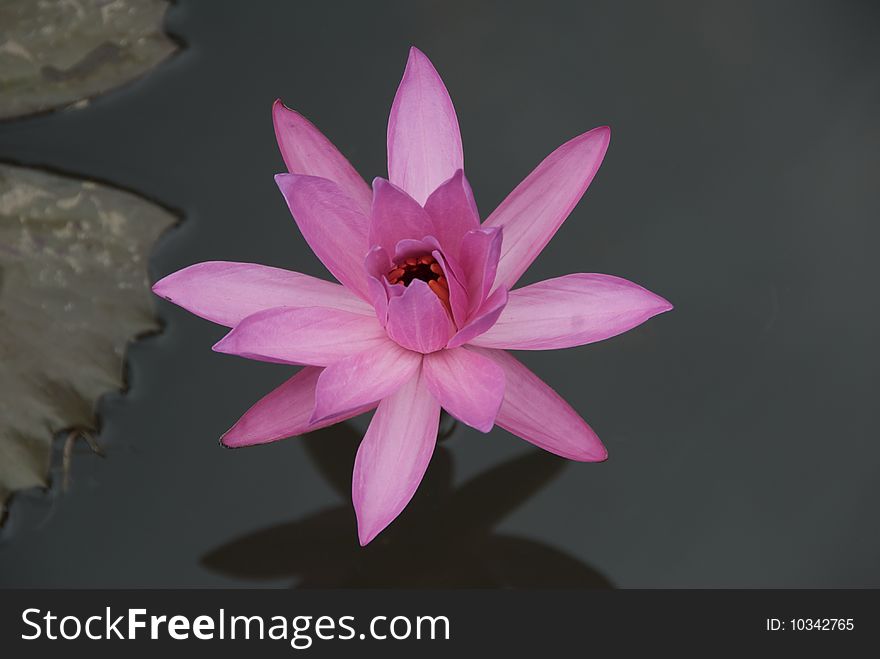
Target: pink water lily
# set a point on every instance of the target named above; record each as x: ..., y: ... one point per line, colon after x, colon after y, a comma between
x: 425, y: 312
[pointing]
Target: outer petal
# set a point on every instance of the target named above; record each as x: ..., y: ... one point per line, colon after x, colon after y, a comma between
x: 393, y: 457
x: 467, y: 385
x: 535, y: 412
x: 306, y: 151
x: 363, y: 379
x: 424, y: 143
x: 417, y: 320
x: 312, y: 335
x: 453, y: 212
x: 283, y: 413
x: 396, y: 216
x: 332, y: 224
x: 532, y: 213
x: 571, y: 311
x: 482, y: 320
x: 480, y: 251
x: 226, y: 292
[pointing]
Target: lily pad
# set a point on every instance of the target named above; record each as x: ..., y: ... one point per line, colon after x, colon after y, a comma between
x: 73, y: 291
x: 55, y: 53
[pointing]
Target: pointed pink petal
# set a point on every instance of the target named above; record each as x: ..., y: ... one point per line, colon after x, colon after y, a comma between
x: 467, y: 385
x: 480, y: 251
x: 333, y: 226
x: 311, y: 335
x: 417, y: 320
x: 284, y: 412
x: 482, y: 320
x: 363, y: 378
x: 225, y: 292
x: 453, y: 212
x: 571, y: 311
x: 306, y: 151
x: 396, y: 216
x: 532, y: 213
x: 424, y: 144
x: 393, y: 457
x: 539, y: 415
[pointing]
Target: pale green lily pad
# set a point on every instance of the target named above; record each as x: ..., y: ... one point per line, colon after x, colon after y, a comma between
x: 73, y: 291
x: 55, y: 53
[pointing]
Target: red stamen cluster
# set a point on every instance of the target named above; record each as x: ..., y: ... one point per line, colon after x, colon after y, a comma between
x: 425, y: 268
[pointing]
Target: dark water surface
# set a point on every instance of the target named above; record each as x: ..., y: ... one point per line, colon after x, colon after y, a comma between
x: 741, y: 184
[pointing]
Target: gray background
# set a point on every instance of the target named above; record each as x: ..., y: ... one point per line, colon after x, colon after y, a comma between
x: 741, y: 184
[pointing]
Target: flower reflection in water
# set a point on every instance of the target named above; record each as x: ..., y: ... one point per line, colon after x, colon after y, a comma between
x: 446, y: 538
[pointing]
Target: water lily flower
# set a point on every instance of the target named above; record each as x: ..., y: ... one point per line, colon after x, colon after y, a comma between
x: 425, y: 309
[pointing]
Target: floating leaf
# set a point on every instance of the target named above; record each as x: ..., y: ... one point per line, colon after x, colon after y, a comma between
x: 73, y: 291
x: 54, y: 53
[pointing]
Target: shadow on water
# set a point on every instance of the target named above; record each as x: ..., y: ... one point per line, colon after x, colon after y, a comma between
x: 445, y: 537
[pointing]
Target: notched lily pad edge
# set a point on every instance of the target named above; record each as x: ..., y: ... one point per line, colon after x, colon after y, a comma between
x: 53, y: 483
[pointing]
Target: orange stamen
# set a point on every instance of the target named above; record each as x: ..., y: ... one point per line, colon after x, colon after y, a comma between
x: 425, y: 268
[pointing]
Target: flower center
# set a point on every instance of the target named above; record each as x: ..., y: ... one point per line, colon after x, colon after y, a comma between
x: 425, y: 268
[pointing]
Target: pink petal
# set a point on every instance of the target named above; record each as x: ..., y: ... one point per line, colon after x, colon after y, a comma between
x: 306, y: 151
x: 393, y: 457
x: 284, y: 412
x: 467, y: 385
x: 396, y: 216
x: 377, y: 264
x: 539, y: 415
x: 458, y: 297
x: 480, y: 251
x: 410, y: 247
x: 225, y: 292
x: 482, y: 320
x: 417, y: 320
x: 571, y: 311
x: 424, y: 144
x: 453, y: 212
x: 364, y: 378
x: 532, y: 213
x: 380, y: 299
x: 332, y: 224
x: 312, y: 335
